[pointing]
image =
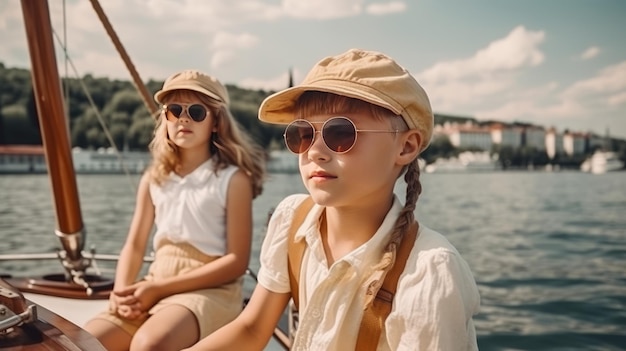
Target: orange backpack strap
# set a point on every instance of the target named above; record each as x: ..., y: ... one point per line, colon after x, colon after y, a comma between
x: 374, y: 316
x: 296, y: 249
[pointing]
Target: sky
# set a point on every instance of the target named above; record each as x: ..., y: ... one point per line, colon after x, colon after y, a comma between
x: 554, y: 63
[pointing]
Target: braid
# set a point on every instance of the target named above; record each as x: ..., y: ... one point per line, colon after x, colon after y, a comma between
x: 405, y: 219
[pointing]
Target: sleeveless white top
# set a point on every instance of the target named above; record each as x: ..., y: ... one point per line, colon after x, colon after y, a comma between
x: 192, y: 209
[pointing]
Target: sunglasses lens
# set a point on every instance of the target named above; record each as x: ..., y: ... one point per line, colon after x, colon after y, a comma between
x: 339, y: 134
x: 174, y: 110
x: 299, y: 136
x: 197, y: 112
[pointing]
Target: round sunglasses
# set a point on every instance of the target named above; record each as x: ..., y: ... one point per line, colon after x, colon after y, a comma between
x: 196, y: 112
x: 338, y: 133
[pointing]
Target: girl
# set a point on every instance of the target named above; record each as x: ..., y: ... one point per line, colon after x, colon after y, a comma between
x: 198, y: 193
x: 358, y: 122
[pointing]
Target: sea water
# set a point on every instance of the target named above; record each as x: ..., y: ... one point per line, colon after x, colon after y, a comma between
x: 548, y: 250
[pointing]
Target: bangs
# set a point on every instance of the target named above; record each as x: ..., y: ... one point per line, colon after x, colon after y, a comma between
x: 312, y: 103
x: 184, y: 94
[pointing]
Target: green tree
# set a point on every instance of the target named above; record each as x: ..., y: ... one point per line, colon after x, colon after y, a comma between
x: 18, y: 128
x: 15, y: 85
x: 440, y: 146
x: 140, y: 134
x: 2, y: 128
x: 125, y: 101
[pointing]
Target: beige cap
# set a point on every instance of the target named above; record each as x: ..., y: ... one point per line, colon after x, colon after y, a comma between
x: 196, y: 81
x: 365, y: 75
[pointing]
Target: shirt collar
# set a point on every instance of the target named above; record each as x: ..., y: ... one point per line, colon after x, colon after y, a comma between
x: 365, y: 255
x: 199, y: 175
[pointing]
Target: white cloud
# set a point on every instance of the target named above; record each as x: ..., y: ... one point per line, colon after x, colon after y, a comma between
x: 611, y: 79
x: 488, y: 85
x: 386, y: 8
x: 228, y: 40
x: 516, y: 51
x: 322, y: 9
x: 227, y: 46
x: 530, y: 111
x: 590, y: 53
x: 10, y: 16
x: 617, y: 99
x: 462, y: 94
x: 470, y: 84
x: 105, y: 66
x: 594, y: 97
x: 509, y: 111
x: 539, y: 92
x: 221, y: 57
x: 279, y: 82
x: 13, y: 35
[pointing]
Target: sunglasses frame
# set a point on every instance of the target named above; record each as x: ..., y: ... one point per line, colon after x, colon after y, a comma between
x: 185, y: 108
x: 321, y: 131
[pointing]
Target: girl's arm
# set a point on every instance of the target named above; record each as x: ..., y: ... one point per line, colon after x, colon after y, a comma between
x: 253, y: 328
x: 131, y: 256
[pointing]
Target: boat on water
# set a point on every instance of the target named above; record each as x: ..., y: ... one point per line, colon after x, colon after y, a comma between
x: 282, y: 161
x: 46, y: 312
x: 30, y: 159
x: 602, y: 162
x: 22, y: 159
x: 466, y: 161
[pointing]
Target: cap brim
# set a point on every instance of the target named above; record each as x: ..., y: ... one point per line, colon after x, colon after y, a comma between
x: 158, y: 96
x: 278, y: 108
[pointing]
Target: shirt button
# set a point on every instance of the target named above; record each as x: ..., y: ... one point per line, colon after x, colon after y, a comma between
x: 315, y: 313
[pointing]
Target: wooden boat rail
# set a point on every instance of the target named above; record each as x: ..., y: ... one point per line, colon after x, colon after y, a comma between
x: 25, y: 326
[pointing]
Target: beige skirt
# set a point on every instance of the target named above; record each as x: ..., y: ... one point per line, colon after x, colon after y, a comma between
x: 212, y: 307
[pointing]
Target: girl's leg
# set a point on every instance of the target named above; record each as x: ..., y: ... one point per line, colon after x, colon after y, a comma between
x: 112, y: 337
x: 172, y: 328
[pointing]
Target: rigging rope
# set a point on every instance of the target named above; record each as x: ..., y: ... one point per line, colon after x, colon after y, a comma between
x: 141, y: 88
x: 143, y: 91
x: 107, y: 133
x: 67, y: 86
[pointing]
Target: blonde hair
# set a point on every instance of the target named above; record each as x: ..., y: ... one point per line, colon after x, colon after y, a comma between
x: 229, y: 144
x: 313, y: 102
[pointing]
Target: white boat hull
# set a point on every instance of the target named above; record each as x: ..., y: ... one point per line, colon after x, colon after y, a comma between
x: 602, y: 162
x: 77, y: 311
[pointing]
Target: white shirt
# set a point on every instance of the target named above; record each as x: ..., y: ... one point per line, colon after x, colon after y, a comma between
x: 432, y: 309
x: 192, y: 209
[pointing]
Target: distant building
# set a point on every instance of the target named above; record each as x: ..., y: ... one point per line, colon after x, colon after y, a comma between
x: 573, y: 143
x: 596, y: 142
x: 506, y: 136
x: 22, y: 159
x: 474, y: 137
x: 535, y: 137
x: 31, y: 159
x: 554, y: 143
x: 467, y: 133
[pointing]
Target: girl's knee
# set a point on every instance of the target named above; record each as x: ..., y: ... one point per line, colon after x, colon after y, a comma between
x: 147, y: 340
x: 143, y: 340
x: 111, y: 336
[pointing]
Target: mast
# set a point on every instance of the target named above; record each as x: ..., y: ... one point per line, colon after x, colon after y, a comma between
x: 54, y: 133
